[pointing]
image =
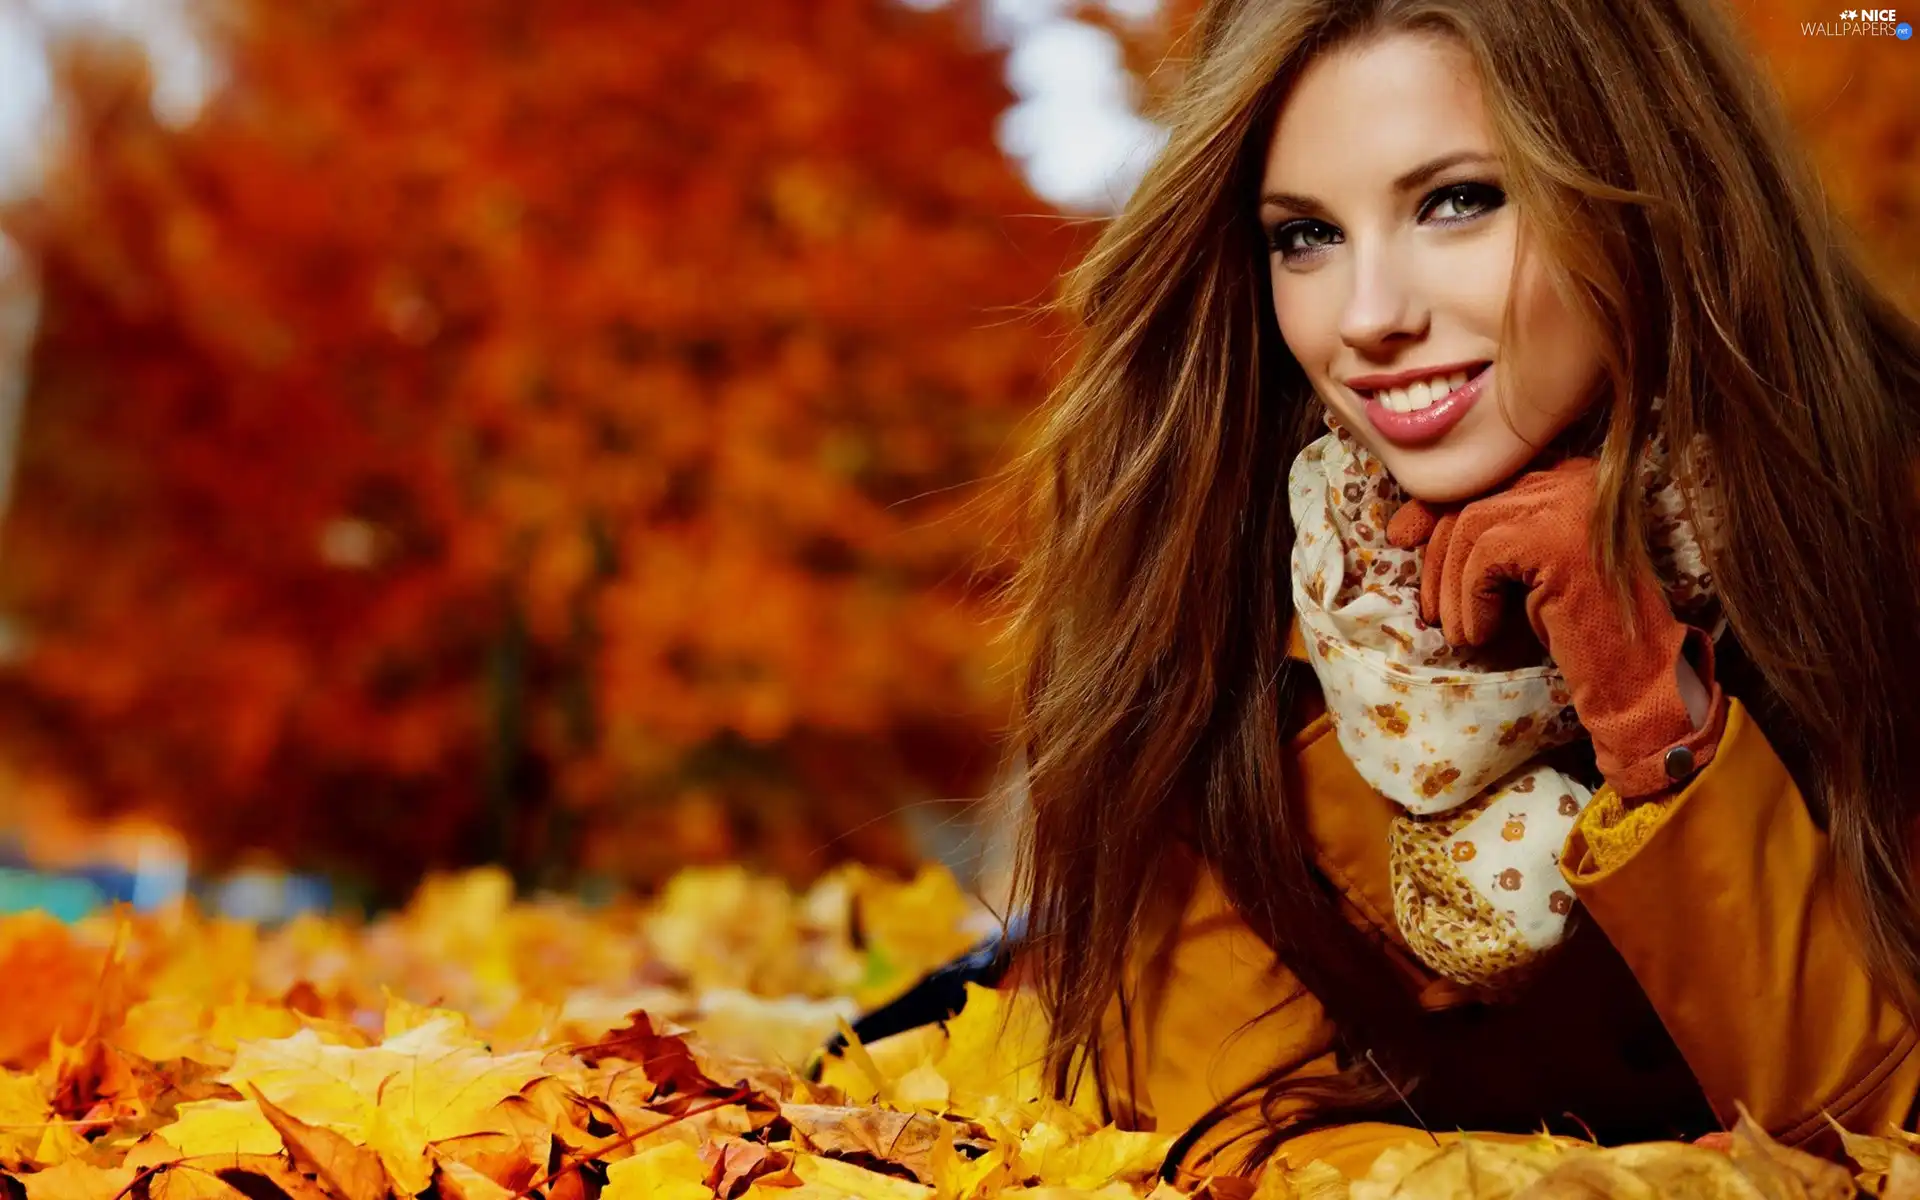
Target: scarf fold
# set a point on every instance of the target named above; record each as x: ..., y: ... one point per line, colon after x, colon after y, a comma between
x: 1456, y: 743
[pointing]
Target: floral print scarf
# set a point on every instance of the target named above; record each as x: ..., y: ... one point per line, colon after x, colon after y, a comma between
x: 1457, y: 744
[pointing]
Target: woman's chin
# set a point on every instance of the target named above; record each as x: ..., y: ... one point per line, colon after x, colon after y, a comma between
x: 1442, y: 474
x: 1436, y: 487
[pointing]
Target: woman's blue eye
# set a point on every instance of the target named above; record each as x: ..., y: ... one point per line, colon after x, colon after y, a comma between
x: 1476, y: 197
x: 1452, y: 204
x: 1282, y: 242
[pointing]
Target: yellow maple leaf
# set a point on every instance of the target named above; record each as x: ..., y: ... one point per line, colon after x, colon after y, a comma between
x: 994, y: 1055
x: 205, y: 1127
x: 76, y: 1180
x: 958, y: 1177
x: 165, y: 1026
x: 248, y: 1021
x: 669, y: 1171
x: 397, y: 1098
x: 23, y: 1110
x: 912, y: 928
x: 1113, y: 1191
x: 404, y: 1016
x: 923, y: 1087
x: 1067, y: 1157
x: 831, y: 1179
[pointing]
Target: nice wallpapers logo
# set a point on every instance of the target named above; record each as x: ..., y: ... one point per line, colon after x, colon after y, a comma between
x: 1860, y: 22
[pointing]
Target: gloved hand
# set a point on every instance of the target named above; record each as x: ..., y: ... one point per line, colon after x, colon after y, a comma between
x: 1627, y: 692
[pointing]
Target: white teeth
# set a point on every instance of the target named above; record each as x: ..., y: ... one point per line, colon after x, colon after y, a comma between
x: 1419, y: 395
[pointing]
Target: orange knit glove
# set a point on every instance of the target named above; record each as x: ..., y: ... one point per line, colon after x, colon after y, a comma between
x: 1626, y: 693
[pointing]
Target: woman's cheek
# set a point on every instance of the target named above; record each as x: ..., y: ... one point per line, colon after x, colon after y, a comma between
x: 1313, y: 341
x: 1558, y: 376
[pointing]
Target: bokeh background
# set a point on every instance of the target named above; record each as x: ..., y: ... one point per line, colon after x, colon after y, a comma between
x: 557, y: 434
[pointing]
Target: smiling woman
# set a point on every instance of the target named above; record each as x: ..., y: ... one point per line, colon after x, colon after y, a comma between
x: 1409, y: 291
x: 1473, y: 602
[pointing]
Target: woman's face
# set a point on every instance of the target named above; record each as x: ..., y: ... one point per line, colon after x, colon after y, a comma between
x: 1393, y: 260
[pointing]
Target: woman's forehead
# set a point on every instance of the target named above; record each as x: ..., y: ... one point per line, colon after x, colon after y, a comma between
x: 1363, y: 115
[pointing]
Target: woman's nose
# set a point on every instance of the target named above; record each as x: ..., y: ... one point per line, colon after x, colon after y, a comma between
x: 1383, y: 303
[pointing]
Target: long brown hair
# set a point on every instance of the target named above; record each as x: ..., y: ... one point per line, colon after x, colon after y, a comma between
x: 1152, y: 605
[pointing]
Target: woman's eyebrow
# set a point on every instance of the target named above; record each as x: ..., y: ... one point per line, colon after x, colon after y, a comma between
x: 1406, y: 183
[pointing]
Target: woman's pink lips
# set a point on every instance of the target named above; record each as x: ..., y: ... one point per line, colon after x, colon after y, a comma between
x: 1417, y: 428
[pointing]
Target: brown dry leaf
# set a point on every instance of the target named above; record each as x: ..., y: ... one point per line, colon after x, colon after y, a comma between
x: 1314, y: 1181
x: 547, y: 1105
x: 1782, y: 1172
x: 733, y: 1163
x: 1467, y: 1169
x: 1680, y: 1169
x: 1590, y: 1177
x: 503, y: 1158
x: 518, y: 1118
x: 1874, y: 1157
x: 700, y: 1128
x: 91, y: 1078
x: 1318, y: 1181
x: 905, y: 1139
x: 351, y: 1171
x: 179, y: 1181
x: 665, y: 1058
x: 1903, y: 1178
x: 458, y: 1181
x: 570, y: 1184
x: 258, y: 1175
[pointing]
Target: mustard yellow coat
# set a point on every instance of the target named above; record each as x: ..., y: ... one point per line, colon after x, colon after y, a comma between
x: 1713, y: 928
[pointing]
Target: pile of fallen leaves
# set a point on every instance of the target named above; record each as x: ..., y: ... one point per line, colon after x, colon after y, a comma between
x: 472, y: 1047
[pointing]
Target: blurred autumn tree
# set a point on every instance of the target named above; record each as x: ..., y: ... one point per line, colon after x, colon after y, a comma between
x: 542, y: 432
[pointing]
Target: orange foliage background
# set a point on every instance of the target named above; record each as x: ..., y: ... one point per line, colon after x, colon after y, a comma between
x: 548, y: 433
x: 490, y: 424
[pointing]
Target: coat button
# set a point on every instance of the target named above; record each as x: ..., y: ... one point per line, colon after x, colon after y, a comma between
x: 1679, y: 763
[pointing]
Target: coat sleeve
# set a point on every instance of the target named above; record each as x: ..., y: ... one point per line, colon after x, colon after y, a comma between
x: 1727, y: 910
x: 1210, y: 1010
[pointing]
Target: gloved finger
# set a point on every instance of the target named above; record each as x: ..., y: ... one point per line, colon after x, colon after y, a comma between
x: 1473, y: 587
x: 1412, y: 525
x: 1432, y: 571
x: 1488, y: 571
